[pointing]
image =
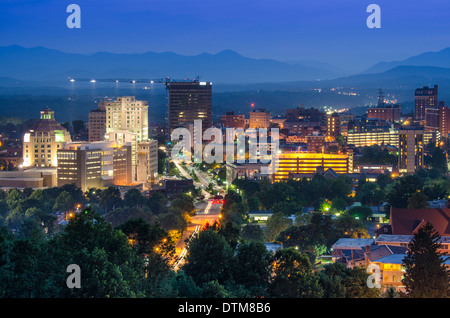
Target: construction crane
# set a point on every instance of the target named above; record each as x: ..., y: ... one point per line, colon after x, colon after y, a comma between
x: 164, y: 81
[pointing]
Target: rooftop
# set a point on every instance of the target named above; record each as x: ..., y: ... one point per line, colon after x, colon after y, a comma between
x: 345, y: 243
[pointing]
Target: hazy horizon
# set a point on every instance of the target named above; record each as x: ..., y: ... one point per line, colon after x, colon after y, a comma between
x: 285, y: 30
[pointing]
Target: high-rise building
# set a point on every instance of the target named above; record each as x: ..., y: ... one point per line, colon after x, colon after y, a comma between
x: 333, y: 125
x: 41, y: 143
x: 444, y: 119
x: 425, y: 98
x: 432, y: 119
x: 147, y: 161
x: 127, y: 114
x: 410, y: 149
x: 187, y: 102
x: 259, y: 118
x: 97, y: 123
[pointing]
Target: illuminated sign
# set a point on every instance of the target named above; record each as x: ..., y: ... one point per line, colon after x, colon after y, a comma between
x: 59, y: 136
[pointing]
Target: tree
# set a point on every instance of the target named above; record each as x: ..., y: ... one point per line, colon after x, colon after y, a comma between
x: 418, y: 201
x: 338, y: 204
x: 339, y: 281
x: 157, y: 203
x: 109, y: 266
x: 347, y: 226
x: 147, y: 238
x: 293, y: 275
x: 252, y: 266
x: 214, y: 289
x: 275, y: 224
x: 425, y: 273
x: 64, y: 202
x: 209, y: 258
x: 361, y: 212
x: 439, y: 161
x: 110, y: 199
x: 133, y: 198
x: 402, y: 190
x: 252, y: 233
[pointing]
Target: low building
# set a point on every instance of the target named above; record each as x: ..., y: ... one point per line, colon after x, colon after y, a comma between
x: 291, y: 164
x: 35, y: 178
x: 92, y: 165
x: 171, y: 187
x: 247, y: 171
x: 354, y: 245
x: 259, y: 216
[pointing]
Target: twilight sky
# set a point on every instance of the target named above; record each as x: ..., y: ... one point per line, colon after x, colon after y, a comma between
x: 332, y: 31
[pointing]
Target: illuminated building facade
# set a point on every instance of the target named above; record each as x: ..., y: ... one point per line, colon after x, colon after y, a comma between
x: 374, y: 137
x: 187, y: 102
x: 307, y: 163
x: 127, y: 114
x: 93, y: 165
x: 425, y: 98
x: 40, y: 145
x: 333, y: 125
x: 147, y: 161
x: 410, y: 150
x: 259, y: 118
x: 390, y: 113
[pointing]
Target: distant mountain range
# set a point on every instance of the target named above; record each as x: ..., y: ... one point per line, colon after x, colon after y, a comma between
x: 48, y: 65
x: 436, y: 59
x: 41, y: 66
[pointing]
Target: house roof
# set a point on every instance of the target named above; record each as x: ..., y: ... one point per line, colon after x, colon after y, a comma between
x: 390, y: 238
x: 407, y: 221
x: 381, y: 251
x: 352, y: 243
x: 392, y: 259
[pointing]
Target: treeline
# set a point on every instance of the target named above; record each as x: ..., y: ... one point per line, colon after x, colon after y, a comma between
x: 36, y: 212
x: 134, y: 260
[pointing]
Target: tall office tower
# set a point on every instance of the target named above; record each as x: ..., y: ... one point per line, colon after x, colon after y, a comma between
x: 147, y: 161
x: 410, y: 150
x: 425, y: 98
x: 259, y: 118
x: 232, y: 120
x: 41, y: 143
x: 333, y: 125
x: 97, y: 123
x: 444, y: 119
x: 127, y: 114
x: 122, y: 168
x: 187, y: 102
x: 432, y: 119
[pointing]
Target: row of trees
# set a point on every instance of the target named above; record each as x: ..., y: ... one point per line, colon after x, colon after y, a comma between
x: 30, y: 212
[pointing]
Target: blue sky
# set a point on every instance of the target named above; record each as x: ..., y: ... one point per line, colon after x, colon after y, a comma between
x: 332, y: 31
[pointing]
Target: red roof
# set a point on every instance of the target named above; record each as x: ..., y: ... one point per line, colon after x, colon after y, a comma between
x: 407, y: 221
